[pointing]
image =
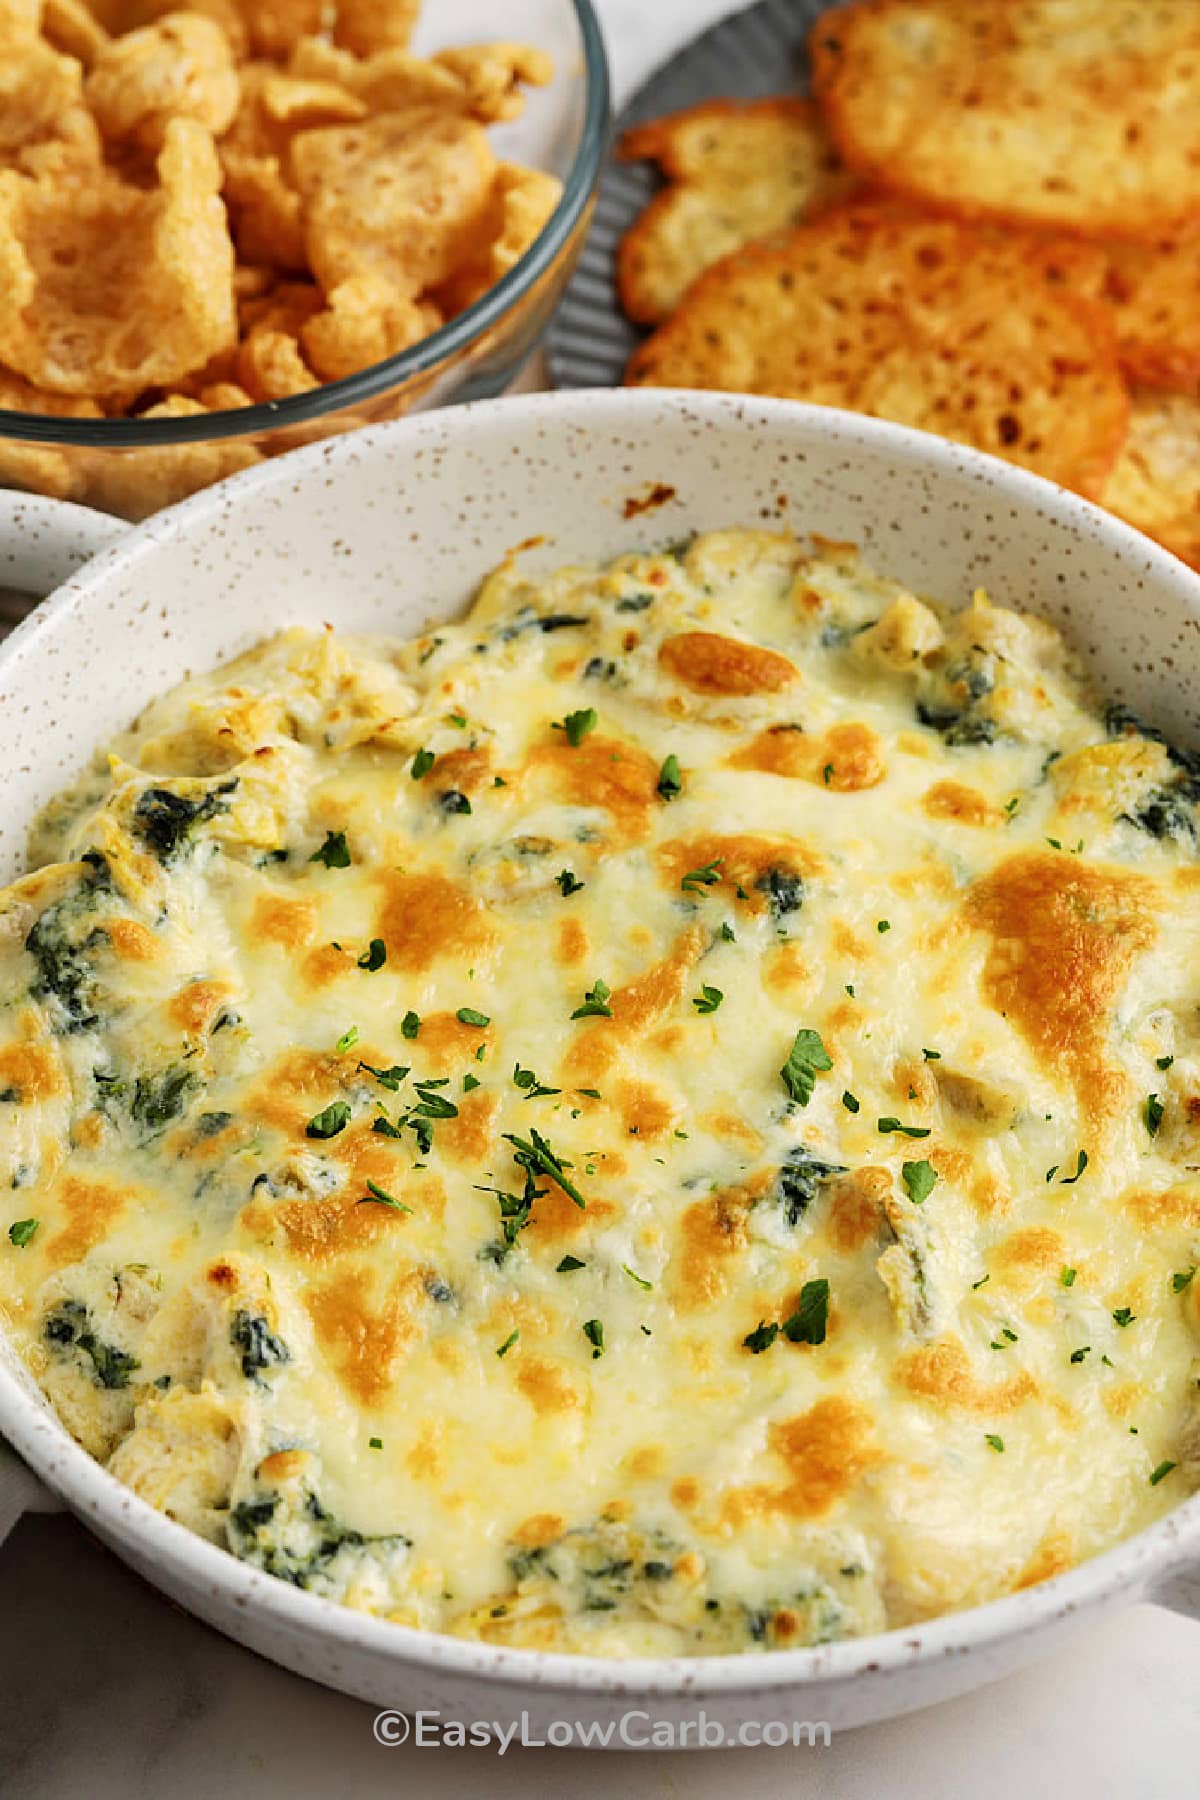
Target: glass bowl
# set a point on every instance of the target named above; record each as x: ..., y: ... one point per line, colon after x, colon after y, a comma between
x: 132, y: 467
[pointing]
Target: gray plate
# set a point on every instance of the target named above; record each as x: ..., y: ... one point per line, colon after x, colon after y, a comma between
x: 754, y: 54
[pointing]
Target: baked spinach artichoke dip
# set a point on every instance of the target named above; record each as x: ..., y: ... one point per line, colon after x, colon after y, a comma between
x: 662, y: 1117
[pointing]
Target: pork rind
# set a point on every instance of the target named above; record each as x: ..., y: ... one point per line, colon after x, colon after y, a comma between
x: 1155, y: 483
x: 1075, y: 113
x: 1154, y: 290
x: 72, y: 27
x: 110, y: 289
x: 368, y: 25
x: 135, y: 483
x: 37, y: 84
x: 736, y: 172
x: 522, y: 203
x: 44, y: 468
x: 403, y: 196
x: 482, y: 80
x: 922, y: 320
x: 364, y: 322
x: 179, y: 68
x: 265, y: 209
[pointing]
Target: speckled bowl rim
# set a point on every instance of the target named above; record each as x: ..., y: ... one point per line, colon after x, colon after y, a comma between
x: 1133, y: 1567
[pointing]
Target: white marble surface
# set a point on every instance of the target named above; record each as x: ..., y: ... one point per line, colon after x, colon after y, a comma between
x: 107, y: 1691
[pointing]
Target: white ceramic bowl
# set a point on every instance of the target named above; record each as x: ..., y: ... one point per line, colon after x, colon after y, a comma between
x: 390, y: 530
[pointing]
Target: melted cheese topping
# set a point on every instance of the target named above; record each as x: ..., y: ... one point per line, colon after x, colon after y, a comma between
x: 662, y: 1117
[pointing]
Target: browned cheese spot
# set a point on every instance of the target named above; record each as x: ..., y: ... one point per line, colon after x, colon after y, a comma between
x: 955, y: 801
x: 367, y: 1334
x: 708, y: 663
x: 1064, y: 939
x: 426, y: 916
x: 844, y: 758
x: 941, y: 1373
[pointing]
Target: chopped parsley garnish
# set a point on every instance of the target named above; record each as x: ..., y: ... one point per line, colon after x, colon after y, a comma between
x: 696, y: 880
x: 458, y: 719
x: 996, y: 1442
x: 327, y: 1123
x: 347, y: 1040
x: 470, y: 1083
x: 1182, y: 1279
x: 422, y: 762
x: 670, y: 779
x: 886, y: 1126
x: 634, y: 1276
x: 1077, y: 1356
x: 932, y: 1055
x: 1163, y: 1062
x: 504, y: 1348
x: 374, y: 956
x: 410, y: 1025
x: 1081, y: 1164
x: 727, y: 933
x: 1123, y: 1316
x: 22, y: 1232
x: 1052, y: 1171
x: 808, y: 1323
x: 375, y: 1443
x: 466, y: 1015
x: 383, y: 1125
x: 388, y: 1078
x: 1152, y: 1113
x: 334, y: 852
x: 454, y: 801
x: 762, y: 1337
x: 920, y: 1179
x: 982, y: 1282
x: 432, y: 1104
x: 708, y: 999
x: 806, y: 1059
x: 827, y: 774
x: 850, y: 989
x: 568, y: 882
x: 851, y: 1101
x: 1067, y: 1276
x: 593, y: 1331
x: 537, y: 1158
x: 576, y: 725
x: 568, y: 1264
x: 882, y: 925
x: 1161, y: 1473
x: 529, y: 1084
x: 377, y: 1196
x: 595, y: 1003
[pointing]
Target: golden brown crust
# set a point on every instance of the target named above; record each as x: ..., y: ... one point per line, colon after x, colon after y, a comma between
x: 1078, y: 114
x: 923, y: 320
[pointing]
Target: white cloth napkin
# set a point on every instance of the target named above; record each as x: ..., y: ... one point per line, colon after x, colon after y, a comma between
x: 20, y: 1491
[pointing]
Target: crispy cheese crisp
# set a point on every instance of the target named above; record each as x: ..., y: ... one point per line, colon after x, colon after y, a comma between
x: 922, y: 320
x: 1155, y: 483
x: 1154, y: 290
x: 111, y: 289
x: 1077, y: 113
x: 735, y: 172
